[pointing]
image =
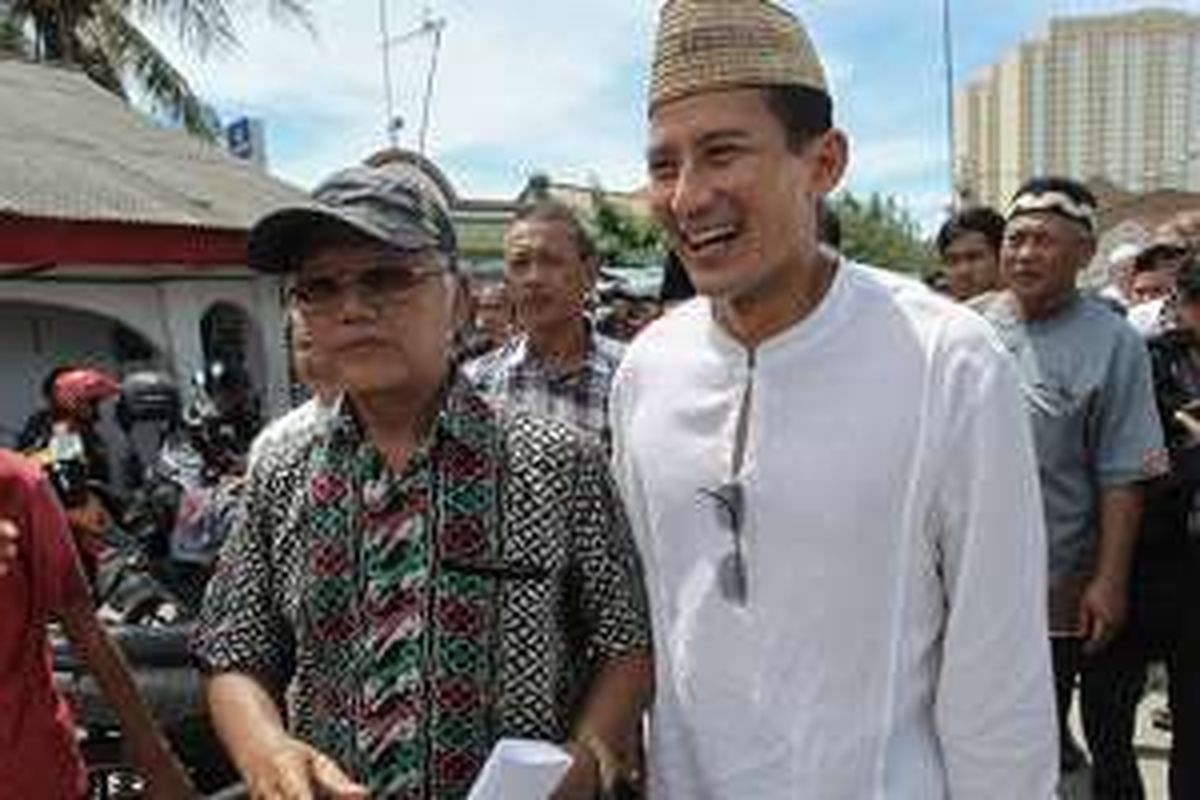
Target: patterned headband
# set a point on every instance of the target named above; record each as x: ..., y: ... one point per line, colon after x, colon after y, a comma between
x: 1054, y: 202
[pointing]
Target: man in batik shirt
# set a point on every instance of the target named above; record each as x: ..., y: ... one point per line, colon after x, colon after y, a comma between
x: 421, y: 577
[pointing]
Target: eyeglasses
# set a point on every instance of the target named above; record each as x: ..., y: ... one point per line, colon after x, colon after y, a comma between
x: 391, y: 276
x: 729, y: 504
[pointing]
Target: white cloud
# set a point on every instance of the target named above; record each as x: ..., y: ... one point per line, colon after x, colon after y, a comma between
x: 529, y: 80
x: 537, y: 85
x: 928, y: 207
x: 556, y: 85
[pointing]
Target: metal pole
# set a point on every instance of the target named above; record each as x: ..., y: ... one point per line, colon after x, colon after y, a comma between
x: 948, y: 56
x: 436, y: 27
x: 389, y: 101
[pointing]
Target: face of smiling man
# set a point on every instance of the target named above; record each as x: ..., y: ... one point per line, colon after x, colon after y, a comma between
x: 738, y: 204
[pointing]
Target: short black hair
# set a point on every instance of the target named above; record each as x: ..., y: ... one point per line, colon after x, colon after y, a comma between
x: 52, y: 377
x: 1187, y: 282
x: 1145, y: 263
x: 804, y: 112
x: 980, y: 219
x: 547, y: 209
x: 1152, y: 257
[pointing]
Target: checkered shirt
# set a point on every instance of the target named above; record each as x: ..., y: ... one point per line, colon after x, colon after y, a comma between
x: 514, y: 378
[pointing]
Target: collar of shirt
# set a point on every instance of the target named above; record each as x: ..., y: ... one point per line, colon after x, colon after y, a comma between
x: 601, y: 354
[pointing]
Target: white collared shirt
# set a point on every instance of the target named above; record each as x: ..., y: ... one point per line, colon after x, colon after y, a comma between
x: 894, y: 642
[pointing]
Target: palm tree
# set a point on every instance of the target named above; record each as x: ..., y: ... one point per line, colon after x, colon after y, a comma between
x: 103, y: 39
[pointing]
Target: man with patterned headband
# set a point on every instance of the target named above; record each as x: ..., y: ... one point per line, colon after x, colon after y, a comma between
x: 827, y: 467
x: 418, y: 576
x: 1086, y: 379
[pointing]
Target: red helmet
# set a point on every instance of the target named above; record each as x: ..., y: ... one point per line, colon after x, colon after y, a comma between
x: 77, y: 388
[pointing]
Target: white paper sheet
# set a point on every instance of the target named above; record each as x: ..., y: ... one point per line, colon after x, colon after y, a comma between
x: 521, y: 769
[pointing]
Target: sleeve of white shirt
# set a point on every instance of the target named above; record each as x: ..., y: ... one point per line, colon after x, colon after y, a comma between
x: 994, y: 709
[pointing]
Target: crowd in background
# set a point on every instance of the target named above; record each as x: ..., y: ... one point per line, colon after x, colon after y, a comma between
x: 1154, y: 289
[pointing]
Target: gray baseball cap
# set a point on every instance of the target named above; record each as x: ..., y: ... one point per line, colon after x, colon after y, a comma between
x: 384, y: 203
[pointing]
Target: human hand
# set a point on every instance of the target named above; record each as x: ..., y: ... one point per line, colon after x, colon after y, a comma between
x: 9, y: 535
x: 292, y: 770
x: 1102, y: 612
x: 582, y: 781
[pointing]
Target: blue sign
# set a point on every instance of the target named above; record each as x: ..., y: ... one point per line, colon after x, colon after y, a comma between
x: 239, y: 137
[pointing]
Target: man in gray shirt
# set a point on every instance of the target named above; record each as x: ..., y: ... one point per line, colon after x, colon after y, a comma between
x: 1086, y: 379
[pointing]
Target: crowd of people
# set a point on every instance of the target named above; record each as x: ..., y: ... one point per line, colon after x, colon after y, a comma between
x: 1111, y: 382
x: 817, y: 531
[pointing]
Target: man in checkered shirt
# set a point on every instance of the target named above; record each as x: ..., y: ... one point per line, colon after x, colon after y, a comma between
x: 559, y: 366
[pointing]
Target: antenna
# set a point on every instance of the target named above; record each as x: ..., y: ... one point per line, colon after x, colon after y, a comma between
x: 430, y: 26
x: 390, y: 126
x: 436, y: 26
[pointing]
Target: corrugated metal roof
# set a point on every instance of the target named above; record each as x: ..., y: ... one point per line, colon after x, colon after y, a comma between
x: 70, y: 150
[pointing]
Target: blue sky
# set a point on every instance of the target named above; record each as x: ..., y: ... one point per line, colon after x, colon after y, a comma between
x: 558, y: 85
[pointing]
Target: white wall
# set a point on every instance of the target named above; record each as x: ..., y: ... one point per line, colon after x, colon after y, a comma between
x: 44, y: 323
x: 185, y: 303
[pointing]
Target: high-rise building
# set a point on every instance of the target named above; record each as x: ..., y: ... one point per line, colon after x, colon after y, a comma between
x: 1114, y: 97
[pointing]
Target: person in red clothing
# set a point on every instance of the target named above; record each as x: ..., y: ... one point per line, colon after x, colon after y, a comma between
x: 40, y: 581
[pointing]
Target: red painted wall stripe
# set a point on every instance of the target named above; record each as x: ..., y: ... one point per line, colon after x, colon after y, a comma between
x: 30, y: 241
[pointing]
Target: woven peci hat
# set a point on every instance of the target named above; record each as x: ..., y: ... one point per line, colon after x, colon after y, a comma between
x: 710, y: 45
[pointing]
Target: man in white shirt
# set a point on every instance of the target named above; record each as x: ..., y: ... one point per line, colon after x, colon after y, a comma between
x: 828, y: 469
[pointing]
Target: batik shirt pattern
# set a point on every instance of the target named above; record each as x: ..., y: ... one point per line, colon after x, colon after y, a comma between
x: 410, y: 620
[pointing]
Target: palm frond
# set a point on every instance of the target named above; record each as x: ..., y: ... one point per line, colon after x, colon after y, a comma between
x: 105, y: 39
x: 143, y: 65
x: 293, y: 11
x: 200, y: 25
x: 95, y: 64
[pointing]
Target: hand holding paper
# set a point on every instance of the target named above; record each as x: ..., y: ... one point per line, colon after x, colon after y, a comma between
x: 521, y: 769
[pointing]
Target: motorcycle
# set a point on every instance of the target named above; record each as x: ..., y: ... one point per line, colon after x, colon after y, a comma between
x: 152, y: 562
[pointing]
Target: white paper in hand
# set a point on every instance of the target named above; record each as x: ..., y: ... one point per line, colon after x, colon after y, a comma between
x: 521, y: 769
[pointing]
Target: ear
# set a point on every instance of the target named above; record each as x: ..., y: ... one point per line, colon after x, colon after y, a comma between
x: 458, y: 300
x: 1086, y: 247
x: 832, y: 156
x: 1089, y: 249
x: 591, y: 271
